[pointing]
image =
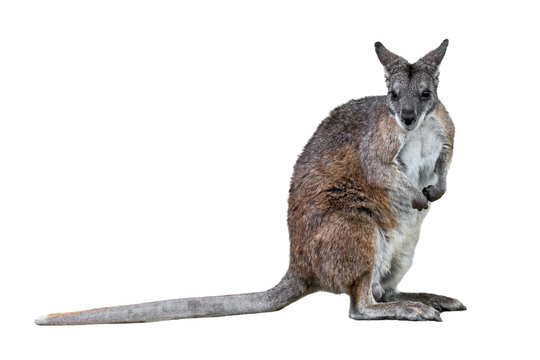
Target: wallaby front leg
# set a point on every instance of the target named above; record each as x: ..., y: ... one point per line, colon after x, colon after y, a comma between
x: 392, y: 178
x: 364, y: 307
x: 439, y: 302
x: 381, y: 170
x: 435, y: 192
x: 419, y: 200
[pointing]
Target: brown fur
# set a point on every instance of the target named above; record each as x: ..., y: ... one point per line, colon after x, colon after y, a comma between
x: 335, y: 208
x: 444, y: 117
x: 340, y: 200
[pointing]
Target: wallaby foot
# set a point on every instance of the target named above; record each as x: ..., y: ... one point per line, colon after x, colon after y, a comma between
x: 398, y: 310
x: 441, y: 303
x: 364, y: 307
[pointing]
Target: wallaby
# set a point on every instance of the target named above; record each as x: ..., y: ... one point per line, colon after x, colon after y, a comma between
x: 359, y: 193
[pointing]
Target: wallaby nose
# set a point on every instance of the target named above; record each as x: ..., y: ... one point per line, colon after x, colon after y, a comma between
x: 408, y: 117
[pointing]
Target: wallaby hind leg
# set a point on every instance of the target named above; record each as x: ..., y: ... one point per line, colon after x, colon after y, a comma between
x: 364, y: 307
x: 439, y: 302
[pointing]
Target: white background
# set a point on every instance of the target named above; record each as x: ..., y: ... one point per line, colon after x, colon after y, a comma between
x: 146, y: 149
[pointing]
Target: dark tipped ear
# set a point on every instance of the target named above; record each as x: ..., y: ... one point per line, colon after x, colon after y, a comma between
x: 386, y: 57
x: 435, y: 56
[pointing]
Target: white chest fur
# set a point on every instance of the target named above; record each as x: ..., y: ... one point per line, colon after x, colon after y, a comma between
x: 420, y: 150
x: 416, y: 159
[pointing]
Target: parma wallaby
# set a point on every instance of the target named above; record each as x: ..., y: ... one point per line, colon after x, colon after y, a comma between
x: 359, y: 193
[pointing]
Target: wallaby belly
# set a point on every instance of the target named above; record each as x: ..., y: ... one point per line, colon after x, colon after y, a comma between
x: 416, y: 159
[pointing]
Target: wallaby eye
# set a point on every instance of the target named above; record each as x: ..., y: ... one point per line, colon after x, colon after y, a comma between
x: 393, y: 95
x: 426, y: 94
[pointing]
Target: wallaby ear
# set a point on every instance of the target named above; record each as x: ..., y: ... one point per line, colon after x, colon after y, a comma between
x: 386, y: 57
x: 435, y: 57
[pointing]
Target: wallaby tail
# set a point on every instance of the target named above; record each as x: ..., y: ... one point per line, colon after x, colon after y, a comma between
x: 286, y: 292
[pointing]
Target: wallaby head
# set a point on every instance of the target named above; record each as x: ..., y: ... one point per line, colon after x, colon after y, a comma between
x: 412, y: 89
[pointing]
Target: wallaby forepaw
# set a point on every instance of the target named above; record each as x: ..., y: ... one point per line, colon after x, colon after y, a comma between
x: 433, y: 193
x: 420, y: 203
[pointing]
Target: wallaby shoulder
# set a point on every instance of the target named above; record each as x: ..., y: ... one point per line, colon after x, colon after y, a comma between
x: 346, y: 127
x: 442, y: 115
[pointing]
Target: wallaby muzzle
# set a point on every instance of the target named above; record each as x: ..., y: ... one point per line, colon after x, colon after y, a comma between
x: 408, y: 118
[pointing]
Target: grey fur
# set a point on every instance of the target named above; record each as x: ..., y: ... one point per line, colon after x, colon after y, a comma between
x: 407, y: 83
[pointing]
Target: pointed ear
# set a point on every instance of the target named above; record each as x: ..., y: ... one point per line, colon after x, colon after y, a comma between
x: 435, y: 57
x: 386, y: 57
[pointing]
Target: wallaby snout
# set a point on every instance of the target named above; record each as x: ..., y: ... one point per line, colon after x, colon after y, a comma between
x: 408, y: 117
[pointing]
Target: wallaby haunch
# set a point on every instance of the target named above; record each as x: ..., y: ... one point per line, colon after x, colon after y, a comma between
x: 359, y: 193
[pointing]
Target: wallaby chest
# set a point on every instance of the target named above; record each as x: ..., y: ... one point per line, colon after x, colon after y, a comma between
x: 418, y: 155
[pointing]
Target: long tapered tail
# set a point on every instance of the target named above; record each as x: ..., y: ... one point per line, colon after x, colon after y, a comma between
x: 286, y: 292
